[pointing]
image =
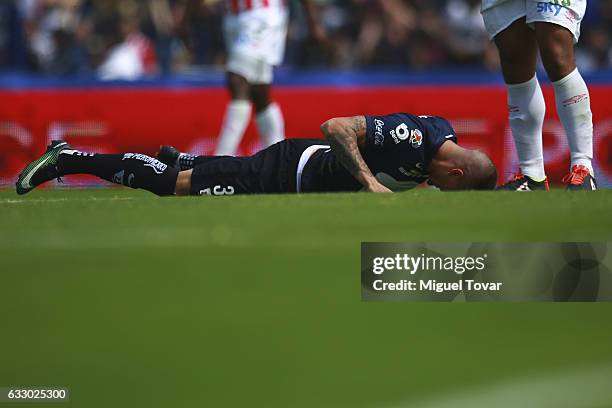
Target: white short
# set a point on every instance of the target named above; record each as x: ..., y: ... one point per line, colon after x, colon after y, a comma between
x: 566, y: 13
x: 255, y: 42
x: 255, y: 71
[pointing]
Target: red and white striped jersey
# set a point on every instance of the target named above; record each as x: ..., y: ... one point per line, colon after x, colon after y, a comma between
x: 239, y: 6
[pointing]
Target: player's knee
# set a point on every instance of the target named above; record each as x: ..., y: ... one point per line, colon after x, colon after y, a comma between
x: 557, y: 51
x: 558, y: 64
x: 238, y: 86
x: 260, y: 96
x: 259, y: 104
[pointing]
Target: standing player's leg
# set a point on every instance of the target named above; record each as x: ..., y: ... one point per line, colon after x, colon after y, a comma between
x: 518, y: 54
x: 237, y: 115
x: 270, y: 121
x: 272, y: 32
x: 556, y: 42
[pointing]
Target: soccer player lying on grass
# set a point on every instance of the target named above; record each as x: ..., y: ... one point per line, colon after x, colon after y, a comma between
x: 373, y: 153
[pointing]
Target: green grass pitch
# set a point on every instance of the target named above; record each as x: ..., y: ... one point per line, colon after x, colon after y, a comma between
x: 131, y: 300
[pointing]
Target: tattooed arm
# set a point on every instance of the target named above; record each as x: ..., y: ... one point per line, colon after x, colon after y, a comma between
x: 346, y: 136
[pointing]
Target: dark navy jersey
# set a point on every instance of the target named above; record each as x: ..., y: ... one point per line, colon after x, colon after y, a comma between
x: 398, y: 150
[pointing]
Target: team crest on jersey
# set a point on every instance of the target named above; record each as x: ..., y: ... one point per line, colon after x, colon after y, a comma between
x: 416, y: 138
x: 400, y: 133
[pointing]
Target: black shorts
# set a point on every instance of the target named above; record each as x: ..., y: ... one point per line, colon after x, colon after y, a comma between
x: 271, y: 171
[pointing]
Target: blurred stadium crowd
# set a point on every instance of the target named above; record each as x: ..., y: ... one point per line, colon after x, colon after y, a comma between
x: 129, y: 39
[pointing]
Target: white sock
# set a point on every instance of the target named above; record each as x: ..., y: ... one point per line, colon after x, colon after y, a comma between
x: 236, y: 120
x: 574, y: 110
x: 526, y: 108
x: 271, y: 125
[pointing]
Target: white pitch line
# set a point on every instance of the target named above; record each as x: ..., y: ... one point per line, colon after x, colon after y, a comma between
x: 59, y: 200
x: 571, y: 388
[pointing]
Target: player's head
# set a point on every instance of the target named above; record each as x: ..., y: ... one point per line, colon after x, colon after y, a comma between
x: 456, y: 168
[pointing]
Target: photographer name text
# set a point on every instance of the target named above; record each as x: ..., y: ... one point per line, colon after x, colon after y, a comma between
x: 422, y: 263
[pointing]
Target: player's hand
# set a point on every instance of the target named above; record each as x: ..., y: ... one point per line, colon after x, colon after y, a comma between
x: 378, y: 188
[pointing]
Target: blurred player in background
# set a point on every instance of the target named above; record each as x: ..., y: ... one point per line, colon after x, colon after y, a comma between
x: 520, y: 28
x: 255, y: 34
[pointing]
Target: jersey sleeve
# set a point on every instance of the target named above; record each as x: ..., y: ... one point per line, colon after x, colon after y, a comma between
x: 440, y: 132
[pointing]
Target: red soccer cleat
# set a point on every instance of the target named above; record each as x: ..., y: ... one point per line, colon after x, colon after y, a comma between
x: 580, y: 178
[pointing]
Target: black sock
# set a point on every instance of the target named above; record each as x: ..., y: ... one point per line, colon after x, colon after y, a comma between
x: 129, y: 169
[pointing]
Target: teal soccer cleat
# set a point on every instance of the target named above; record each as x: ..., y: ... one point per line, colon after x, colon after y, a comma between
x: 42, y: 169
